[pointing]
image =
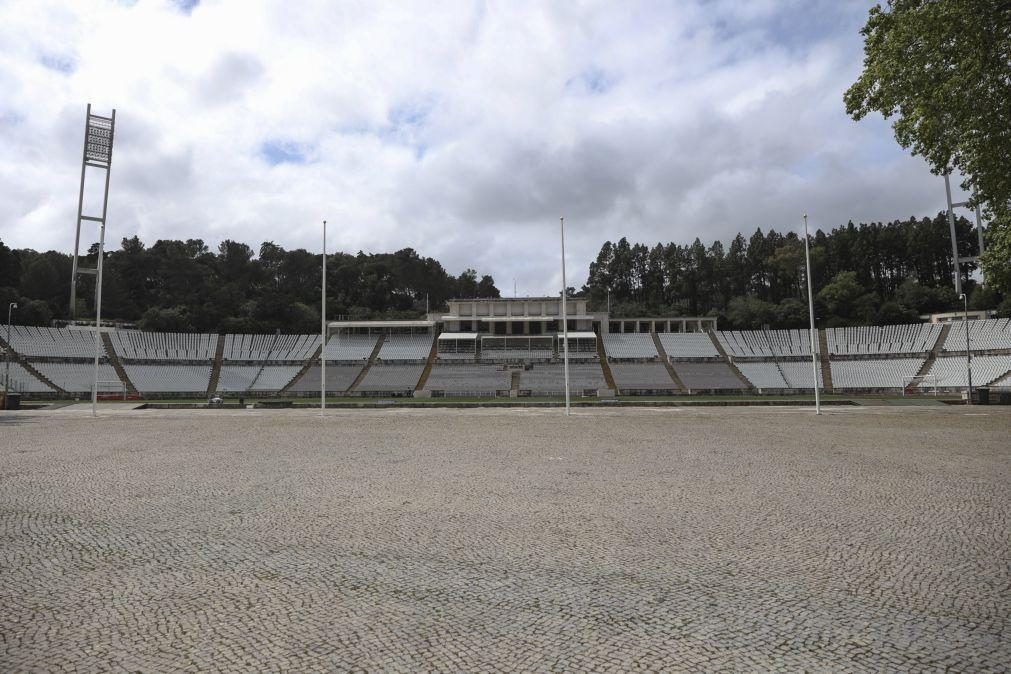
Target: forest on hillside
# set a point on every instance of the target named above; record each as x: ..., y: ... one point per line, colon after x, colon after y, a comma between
x: 184, y: 286
x: 877, y: 273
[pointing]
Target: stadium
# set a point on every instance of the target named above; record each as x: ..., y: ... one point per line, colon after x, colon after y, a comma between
x: 514, y: 348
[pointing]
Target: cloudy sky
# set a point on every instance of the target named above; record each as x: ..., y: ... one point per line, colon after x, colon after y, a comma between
x: 461, y: 129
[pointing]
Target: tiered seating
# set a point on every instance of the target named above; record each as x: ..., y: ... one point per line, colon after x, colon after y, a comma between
x: 798, y: 374
x: 642, y: 376
x: 873, y: 373
x: 406, y: 347
x: 338, y: 378
x: 468, y: 379
x: 549, y: 378
x: 490, y: 355
x: 763, y: 375
x: 983, y: 335
x: 169, y: 378
x: 688, y: 345
x: 873, y: 339
x: 23, y: 381
x: 270, y: 348
x: 75, y: 377
x: 255, y: 377
x: 33, y: 341
x: 765, y: 343
x: 135, y: 345
x: 708, y: 375
x: 392, y: 378
x: 951, y: 372
x: 350, y: 348
x: 629, y: 346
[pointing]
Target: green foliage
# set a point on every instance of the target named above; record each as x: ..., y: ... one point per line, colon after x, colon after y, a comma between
x: 943, y: 68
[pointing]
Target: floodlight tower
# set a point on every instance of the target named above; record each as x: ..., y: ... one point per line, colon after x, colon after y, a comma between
x: 98, y: 137
x: 954, y: 237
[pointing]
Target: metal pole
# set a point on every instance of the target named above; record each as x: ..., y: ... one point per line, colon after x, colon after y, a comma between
x: 101, y: 265
x: 322, y: 352
x: 565, y: 323
x: 80, y: 212
x: 7, y: 352
x: 954, y: 243
x: 810, y: 309
x: 968, y: 349
x: 979, y: 233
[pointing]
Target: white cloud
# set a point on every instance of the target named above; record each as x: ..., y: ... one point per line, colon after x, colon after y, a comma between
x: 461, y: 129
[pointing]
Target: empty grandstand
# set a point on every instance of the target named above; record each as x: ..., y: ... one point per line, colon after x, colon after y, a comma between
x: 631, y: 377
x: 798, y: 374
x: 764, y: 375
x: 350, y: 348
x: 76, y: 378
x: 272, y: 348
x: 882, y: 339
x: 634, y: 346
x: 468, y: 379
x: 708, y: 376
x: 406, y: 348
x: 952, y: 373
x: 765, y: 343
x: 23, y: 381
x: 179, y: 378
x: 546, y: 379
x: 986, y: 335
x: 338, y: 379
x: 255, y: 378
x: 136, y: 345
x: 873, y: 374
x: 54, y: 342
x: 391, y: 378
x: 688, y: 345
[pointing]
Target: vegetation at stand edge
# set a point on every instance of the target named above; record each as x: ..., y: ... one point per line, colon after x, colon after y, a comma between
x: 878, y: 273
x: 184, y: 286
x: 942, y: 68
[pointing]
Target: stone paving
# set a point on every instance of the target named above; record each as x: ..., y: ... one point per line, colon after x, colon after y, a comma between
x: 506, y: 540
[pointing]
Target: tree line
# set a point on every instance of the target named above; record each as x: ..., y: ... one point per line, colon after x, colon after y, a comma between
x: 184, y: 286
x: 876, y: 273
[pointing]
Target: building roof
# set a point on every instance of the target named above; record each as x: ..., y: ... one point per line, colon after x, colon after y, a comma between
x: 381, y: 324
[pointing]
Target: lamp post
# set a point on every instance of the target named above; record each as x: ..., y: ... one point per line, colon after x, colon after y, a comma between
x: 565, y: 322
x: 810, y: 308
x: 322, y: 351
x: 968, y: 346
x: 7, y: 352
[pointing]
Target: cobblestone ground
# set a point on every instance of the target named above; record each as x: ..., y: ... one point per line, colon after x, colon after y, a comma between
x: 615, y: 540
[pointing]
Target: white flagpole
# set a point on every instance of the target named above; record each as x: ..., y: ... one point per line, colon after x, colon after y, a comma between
x: 322, y: 352
x: 810, y: 308
x: 565, y: 323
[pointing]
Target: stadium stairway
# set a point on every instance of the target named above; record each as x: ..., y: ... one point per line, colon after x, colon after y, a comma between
x: 666, y: 361
x: 514, y: 384
x: 117, y: 365
x: 368, y: 364
x: 433, y: 352
x: 219, y: 355
x: 18, y: 358
x: 826, y: 367
x: 602, y: 357
x: 310, y: 361
x: 726, y: 359
x: 935, y: 351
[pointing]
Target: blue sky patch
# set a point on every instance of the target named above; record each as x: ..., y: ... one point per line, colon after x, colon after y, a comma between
x: 282, y: 152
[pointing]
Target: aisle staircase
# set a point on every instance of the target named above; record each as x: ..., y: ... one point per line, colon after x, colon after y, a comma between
x: 514, y: 384
x: 726, y: 359
x: 368, y: 364
x: 666, y: 361
x: 429, y: 363
x: 602, y: 357
x: 219, y: 354
x: 935, y: 351
x: 19, y: 359
x: 826, y: 366
x: 117, y: 365
x: 312, y: 360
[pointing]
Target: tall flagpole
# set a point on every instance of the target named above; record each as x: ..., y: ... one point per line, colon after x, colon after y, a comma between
x: 565, y: 322
x: 810, y: 308
x: 322, y: 351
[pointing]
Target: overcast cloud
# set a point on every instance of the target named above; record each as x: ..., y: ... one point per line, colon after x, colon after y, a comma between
x: 461, y: 129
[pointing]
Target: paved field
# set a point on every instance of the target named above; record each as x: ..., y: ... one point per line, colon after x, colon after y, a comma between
x: 865, y: 540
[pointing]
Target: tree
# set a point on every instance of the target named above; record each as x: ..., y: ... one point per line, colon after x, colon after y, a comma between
x: 942, y: 66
